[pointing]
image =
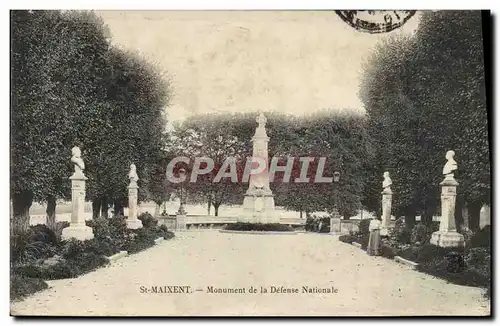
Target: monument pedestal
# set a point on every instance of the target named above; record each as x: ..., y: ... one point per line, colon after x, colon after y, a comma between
x: 77, y: 231
x: 77, y: 228
x: 258, y: 207
x: 386, y: 211
x: 447, y: 239
x: 335, y: 223
x: 132, y: 221
x: 180, y: 223
x: 447, y: 236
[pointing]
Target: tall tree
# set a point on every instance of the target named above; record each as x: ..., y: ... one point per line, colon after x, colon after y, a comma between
x: 430, y: 90
x: 58, y: 68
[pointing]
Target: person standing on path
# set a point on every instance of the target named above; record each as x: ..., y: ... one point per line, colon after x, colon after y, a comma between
x: 373, y: 248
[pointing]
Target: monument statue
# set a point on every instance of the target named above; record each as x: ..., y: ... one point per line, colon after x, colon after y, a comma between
x: 386, y: 184
x: 386, y: 204
x: 450, y: 165
x: 77, y: 160
x: 77, y: 228
x: 132, y: 221
x: 258, y: 204
x: 447, y: 235
x: 261, y: 120
x: 132, y: 175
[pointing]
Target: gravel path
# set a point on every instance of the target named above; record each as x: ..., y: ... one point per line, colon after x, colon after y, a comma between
x: 365, y: 285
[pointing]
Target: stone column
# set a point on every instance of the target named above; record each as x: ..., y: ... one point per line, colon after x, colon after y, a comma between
x: 77, y: 228
x: 132, y: 221
x: 386, y: 211
x: 447, y: 236
x: 180, y: 218
x: 335, y: 222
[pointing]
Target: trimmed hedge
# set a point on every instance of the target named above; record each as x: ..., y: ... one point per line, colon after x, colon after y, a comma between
x: 258, y: 227
x: 348, y: 238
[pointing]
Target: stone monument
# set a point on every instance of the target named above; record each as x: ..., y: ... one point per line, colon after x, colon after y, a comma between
x: 132, y: 221
x: 77, y: 228
x: 386, y: 204
x: 484, y: 216
x: 258, y: 204
x: 335, y: 222
x: 447, y: 236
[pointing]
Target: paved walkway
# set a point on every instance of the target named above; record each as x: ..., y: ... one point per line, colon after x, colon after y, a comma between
x: 365, y: 285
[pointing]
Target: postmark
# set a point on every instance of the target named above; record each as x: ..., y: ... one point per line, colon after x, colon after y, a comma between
x: 375, y: 21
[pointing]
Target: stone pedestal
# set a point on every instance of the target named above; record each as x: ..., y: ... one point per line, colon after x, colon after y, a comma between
x: 180, y: 223
x: 258, y: 207
x: 77, y: 228
x: 386, y: 211
x: 335, y: 223
x: 132, y: 221
x: 447, y: 236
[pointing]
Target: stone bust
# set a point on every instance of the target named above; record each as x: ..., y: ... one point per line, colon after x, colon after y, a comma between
x: 132, y: 175
x: 261, y: 120
x: 77, y: 160
x: 450, y: 165
x: 386, y: 184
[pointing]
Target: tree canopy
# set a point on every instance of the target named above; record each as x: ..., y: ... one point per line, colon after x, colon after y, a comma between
x: 425, y: 95
x: 70, y: 87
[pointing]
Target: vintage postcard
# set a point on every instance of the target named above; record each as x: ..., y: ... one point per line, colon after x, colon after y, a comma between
x: 250, y: 163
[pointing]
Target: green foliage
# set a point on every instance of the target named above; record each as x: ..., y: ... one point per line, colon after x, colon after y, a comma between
x: 400, y: 233
x: 348, y: 238
x: 425, y: 95
x: 387, y: 251
x: 258, y: 227
x: 22, y: 286
x: 80, y: 91
x: 481, y: 239
x: 33, y: 244
x: 364, y: 226
x: 318, y: 224
x: 148, y: 220
x: 420, y: 234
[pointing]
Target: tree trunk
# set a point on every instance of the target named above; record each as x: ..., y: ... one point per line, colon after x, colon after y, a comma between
x: 474, y: 209
x: 51, y: 213
x: 426, y: 217
x: 410, y: 220
x: 96, y: 208
x: 157, y: 209
x: 300, y: 213
x: 104, y: 207
x: 21, y: 204
x: 216, y: 209
x: 118, y: 207
x: 209, y: 206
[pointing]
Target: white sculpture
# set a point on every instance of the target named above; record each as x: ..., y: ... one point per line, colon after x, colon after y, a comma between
x: 132, y: 175
x: 261, y: 120
x: 450, y: 165
x: 386, y: 184
x: 77, y: 160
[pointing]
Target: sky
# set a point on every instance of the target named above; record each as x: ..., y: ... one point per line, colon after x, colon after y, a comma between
x: 295, y: 62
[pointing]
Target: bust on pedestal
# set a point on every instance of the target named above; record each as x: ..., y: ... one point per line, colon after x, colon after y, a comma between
x: 132, y: 221
x: 386, y: 204
x: 447, y: 236
x: 77, y: 228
